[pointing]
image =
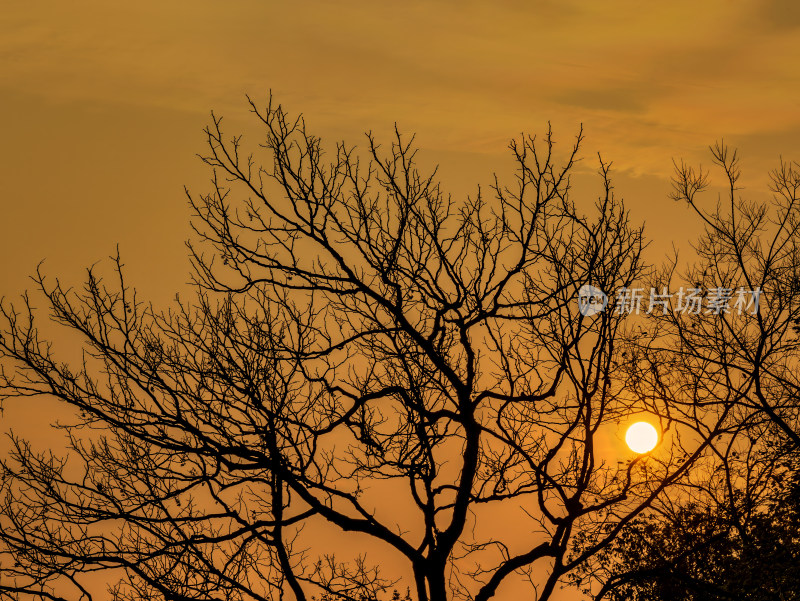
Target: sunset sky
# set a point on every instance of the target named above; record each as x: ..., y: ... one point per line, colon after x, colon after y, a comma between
x: 104, y: 103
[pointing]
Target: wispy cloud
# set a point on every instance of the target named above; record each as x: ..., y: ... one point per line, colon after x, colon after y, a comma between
x: 646, y: 80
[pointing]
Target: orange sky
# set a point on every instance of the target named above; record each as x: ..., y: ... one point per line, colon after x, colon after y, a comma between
x: 471, y: 75
x: 103, y: 103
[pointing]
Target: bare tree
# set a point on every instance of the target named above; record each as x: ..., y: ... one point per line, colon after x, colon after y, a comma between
x: 729, y: 367
x: 745, y: 357
x: 363, y: 353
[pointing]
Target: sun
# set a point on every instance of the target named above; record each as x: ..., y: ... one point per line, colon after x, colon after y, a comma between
x: 641, y: 437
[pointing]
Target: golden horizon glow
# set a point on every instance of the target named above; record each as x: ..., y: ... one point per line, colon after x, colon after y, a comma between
x: 641, y: 437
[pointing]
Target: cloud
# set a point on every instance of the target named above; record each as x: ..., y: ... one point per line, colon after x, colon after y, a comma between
x: 465, y: 76
x: 779, y: 14
x: 627, y: 99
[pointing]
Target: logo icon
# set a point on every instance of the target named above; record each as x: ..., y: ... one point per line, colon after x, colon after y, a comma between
x: 591, y: 300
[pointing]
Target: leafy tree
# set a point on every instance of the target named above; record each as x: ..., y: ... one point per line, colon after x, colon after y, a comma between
x: 745, y: 548
x: 362, y: 354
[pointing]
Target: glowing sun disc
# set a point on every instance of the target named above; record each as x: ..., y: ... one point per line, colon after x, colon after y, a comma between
x: 641, y: 437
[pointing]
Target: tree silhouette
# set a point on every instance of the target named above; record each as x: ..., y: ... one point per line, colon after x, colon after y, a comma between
x: 363, y: 353
x: 743, y: 547
x: 742, y: 361
x: 731, y: 531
